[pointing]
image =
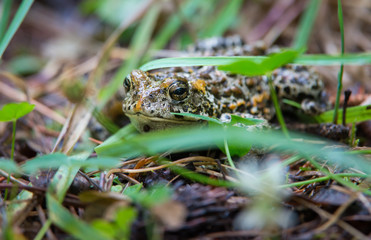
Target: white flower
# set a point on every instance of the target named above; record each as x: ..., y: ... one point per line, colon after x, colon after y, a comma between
x: 262, y: 182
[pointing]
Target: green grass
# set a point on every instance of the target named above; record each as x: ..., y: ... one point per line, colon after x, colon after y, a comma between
x: 299, y: 145
x: 11, y: 112
x: 7, y: 5
x: 340, y: 74
x: 307, y: 59
x: 224, y: 19
x: 354, y: 115
x: 62, y: 218
x: 15, y: 23
x: 306, y: 24
x: 187, y: 10
x: 186, y: 139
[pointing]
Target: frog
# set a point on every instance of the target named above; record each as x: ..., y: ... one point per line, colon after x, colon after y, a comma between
x: 152, y: 97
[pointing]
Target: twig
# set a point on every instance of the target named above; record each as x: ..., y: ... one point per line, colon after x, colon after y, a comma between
x: 181, y: 161
x: 336, y: 216
x: 43, y: 220
x: 36, y: 190
x: 128, y: 178
x: 347, y: 94
x: 13, y: 179
x: 22, y: 215
x: 90, y: 180
x: 347, y: 227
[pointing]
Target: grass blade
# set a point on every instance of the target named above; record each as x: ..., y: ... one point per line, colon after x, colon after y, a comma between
x: 310, y: 59
x: 354, y: 115
x: 306, y: 24
x: 9, y: 166
x: 270, y: 63
x: 276, y: 104
x: 62, y: 218
x: 7, y: 5
x: 193, y: 61
x: 340, y: 75
x: 196, y: 138
x: 223, y: 21
x: 14, y: 25
x: 246, y: 67
x: 173, y: 24
x: 330, y: 60
x: 58, y: 187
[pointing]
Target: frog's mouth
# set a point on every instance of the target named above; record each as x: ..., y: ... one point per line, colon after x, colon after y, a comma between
x: 146, y: 123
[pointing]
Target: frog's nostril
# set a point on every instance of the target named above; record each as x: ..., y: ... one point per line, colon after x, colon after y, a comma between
x: 146, y: 128
x: 179, y: 116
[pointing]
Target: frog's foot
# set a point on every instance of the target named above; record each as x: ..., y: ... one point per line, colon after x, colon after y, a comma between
x: 262, y: 124
x: 312, y: 107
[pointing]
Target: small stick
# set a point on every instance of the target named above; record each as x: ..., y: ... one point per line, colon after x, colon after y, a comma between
x: 347, y: 94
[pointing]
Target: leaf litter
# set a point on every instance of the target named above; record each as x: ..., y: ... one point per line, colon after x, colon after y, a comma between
x: 158, y: 198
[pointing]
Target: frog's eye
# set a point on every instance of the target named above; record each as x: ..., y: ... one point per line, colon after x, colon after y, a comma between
x: 178, y: 90
x: 127, y: 84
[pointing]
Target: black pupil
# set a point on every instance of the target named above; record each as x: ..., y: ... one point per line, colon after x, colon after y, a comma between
x: 179, y: 91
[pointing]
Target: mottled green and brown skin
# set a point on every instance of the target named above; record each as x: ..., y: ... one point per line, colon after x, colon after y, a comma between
x: 151, y: 97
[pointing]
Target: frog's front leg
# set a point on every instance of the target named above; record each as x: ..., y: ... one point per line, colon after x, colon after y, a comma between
x: 314, y: 107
